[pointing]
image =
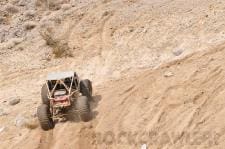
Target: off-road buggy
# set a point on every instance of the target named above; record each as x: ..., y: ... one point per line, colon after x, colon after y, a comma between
x: 64, y: 92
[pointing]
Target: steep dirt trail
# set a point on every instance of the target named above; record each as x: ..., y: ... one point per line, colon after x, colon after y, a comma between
x: 191, y: 101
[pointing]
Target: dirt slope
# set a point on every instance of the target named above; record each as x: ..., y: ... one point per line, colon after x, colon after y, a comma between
x: 188, y: 103
x: 157, y: 68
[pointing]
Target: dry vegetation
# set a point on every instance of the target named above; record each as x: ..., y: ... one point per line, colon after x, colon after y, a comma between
x: 59, y: 47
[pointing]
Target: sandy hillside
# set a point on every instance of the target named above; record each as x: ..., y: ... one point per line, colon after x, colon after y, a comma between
x: 157, y: 68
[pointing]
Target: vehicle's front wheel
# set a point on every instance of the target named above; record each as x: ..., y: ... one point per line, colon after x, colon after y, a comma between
x: 83, y: 107
x: 44, y: 117
x: 86, y: 88
x: 44, y: 95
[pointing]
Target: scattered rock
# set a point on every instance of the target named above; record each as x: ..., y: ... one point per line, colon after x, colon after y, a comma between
x: 22, y: 3
x: 14, y: 101
x: 17, y: 41
x: 19, y: 32
x: 11, y: 9
x: 11, y: 43
x: 14, y: 2
x: 168, y: 74
x: 106, y: 13
x: 88, y: 126
x: 30, y: 25
x: 130, y: 29
x: 2, y: 129
x: 8, y: 45
x: 30, y: 13
x: 19, y: 49
x: 20, y: 121
x: 144, y: 146
x: 146, y: 97
x: 66, y: 7
x: 54, y: 5
x: 2, y: 112
x: 30, y: 123
x: 178, y: 52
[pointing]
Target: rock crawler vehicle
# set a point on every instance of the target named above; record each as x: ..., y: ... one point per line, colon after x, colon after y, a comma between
x: 62, y: 93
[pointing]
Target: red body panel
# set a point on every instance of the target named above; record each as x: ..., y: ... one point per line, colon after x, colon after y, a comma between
x: 61, y: 101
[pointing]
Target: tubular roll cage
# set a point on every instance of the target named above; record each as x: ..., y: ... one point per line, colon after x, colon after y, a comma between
x: 68, y: 89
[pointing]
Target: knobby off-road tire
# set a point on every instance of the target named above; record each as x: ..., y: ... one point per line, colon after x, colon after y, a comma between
x: 83, y: 107
x: 44, y: 117
x: 86, y: 88
x: 44, y: 95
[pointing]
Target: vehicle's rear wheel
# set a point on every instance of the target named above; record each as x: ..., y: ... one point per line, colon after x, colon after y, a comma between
x: 83, y: 107
x: 86, y: 88
x: 44, y: 95
x: 44, y: 117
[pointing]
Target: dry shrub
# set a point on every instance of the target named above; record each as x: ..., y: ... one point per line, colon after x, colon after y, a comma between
x: 11, y: 9
x: 30, y: 25
x: 49, y: 4
x: 59, y: 47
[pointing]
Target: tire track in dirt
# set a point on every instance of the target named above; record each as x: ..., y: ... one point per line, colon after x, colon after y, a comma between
x: 46, y: 139
x: 87, y: 137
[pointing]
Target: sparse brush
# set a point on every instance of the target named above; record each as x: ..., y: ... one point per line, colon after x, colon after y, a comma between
x: 29, y: 25
x: 60, y: 48
x: 11, y: 9
x: 49, y: 4
x: 46, y: 35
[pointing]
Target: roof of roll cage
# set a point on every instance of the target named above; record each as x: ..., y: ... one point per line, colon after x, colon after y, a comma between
x: 60, y: 75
